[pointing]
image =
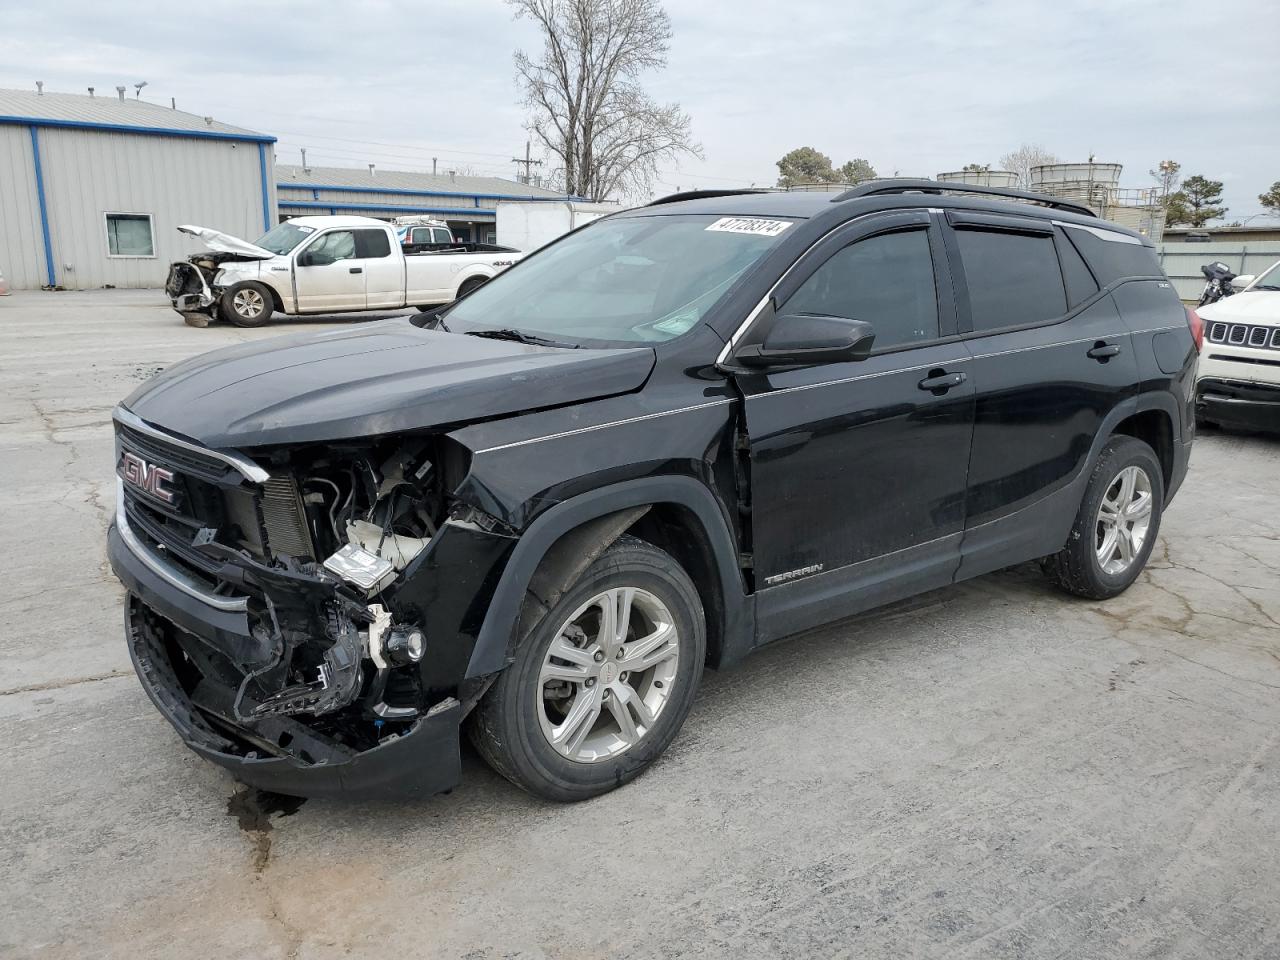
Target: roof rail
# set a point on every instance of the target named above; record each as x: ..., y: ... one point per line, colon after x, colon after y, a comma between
x: 702, y: 195
x: 873, y: 188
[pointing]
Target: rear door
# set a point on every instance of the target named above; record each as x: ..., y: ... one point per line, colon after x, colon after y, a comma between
x: 858, y: 469
x: 383, y: 267
x: 335, y: 284
x: 1051, y: 359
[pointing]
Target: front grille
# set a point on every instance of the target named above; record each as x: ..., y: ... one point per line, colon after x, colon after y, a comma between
x: 1245, y: 335
x: 266, y: 520
x: 186, y: 461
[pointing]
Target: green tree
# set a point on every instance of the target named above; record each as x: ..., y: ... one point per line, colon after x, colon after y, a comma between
x: 805, y: 165
x: 1195, y: 203
x: 855, y: 171
x: 1271, y: 199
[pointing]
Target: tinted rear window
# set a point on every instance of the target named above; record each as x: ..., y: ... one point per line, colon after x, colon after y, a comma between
x: 371, y: 244
x: 1013, y: 278
x: 1112, y: 259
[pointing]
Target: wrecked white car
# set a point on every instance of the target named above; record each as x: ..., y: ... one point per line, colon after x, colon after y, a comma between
x: 311, y: 265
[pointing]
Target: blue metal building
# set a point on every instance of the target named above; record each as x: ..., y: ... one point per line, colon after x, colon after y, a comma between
x: 93, y: 187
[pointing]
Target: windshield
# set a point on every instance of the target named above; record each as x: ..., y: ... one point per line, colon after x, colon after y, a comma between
x: 1269, y: 280
x: 283, y: 237
x: 632, y: 280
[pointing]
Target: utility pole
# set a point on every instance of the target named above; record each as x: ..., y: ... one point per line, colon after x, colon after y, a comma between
x: 528, y: 163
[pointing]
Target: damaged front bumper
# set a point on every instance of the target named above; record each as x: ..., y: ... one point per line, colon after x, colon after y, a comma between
x: 189, y: 291
x: 276, y: 753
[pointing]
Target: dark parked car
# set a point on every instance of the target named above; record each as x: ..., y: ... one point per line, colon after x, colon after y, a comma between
x: 672, y: 436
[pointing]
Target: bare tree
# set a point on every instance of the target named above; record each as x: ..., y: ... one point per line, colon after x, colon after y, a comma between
x: 1021, y: 161
x: 588, y: 109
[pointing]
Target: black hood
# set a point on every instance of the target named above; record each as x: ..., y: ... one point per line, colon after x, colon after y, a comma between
x: 373, y: 379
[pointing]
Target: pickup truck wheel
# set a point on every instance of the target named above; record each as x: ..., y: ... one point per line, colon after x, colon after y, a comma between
x: 247, y: 304
x: 603, y: 684
x: 1118, y: 523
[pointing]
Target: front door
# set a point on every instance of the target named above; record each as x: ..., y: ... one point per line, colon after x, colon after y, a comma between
x: 858, y: 469
x: 335, y: 281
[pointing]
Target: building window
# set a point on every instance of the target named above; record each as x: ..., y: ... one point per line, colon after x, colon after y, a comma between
x: 130, y: 235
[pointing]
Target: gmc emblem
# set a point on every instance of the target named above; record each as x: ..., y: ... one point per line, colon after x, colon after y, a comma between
x: 146, y: 476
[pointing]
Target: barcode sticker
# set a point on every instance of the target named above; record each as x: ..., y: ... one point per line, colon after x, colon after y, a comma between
x: 752, y: 225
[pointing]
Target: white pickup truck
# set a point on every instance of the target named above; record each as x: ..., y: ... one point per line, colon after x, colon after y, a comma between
x: 320, y: 265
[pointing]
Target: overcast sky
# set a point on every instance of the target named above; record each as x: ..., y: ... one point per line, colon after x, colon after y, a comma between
x: 915, y: 86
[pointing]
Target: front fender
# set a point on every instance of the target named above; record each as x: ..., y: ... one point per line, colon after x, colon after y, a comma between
x: 498, y: 633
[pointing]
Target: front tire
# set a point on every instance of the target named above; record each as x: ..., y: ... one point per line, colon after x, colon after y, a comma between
x: 1117, y: 525
x: 247, y: 304
x: 603, y: 683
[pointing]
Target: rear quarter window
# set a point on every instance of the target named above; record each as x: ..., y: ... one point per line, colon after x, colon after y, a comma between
x: 1080, y: 283
x: 1112, y: 259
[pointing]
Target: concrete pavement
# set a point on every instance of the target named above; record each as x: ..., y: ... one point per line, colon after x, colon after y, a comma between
x: 994, y: 770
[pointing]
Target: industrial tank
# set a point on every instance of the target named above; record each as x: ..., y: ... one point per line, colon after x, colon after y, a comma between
x: 1089, y: 183
x: 982, y: 178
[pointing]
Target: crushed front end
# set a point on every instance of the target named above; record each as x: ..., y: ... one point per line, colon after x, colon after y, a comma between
x: 189, y: 286
x: 305, y: 618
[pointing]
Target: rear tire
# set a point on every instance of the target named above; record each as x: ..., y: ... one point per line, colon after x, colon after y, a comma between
x: 247, y: 304
x: 1118, y: 523
x: 584, y: 707
x: 474, y: 283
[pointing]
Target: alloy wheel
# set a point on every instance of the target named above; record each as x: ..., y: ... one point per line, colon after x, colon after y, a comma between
x: 248, y: 303
x: 607, y: 674
x: 1124, y: 518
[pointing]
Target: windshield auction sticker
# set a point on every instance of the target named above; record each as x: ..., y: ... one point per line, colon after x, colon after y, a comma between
x: 752, y: 225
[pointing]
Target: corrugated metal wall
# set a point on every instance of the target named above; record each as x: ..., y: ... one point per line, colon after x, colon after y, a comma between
x: 372, y: 203
x: 21, y: 245
x: 87, y: 174
x: 1182, y: 261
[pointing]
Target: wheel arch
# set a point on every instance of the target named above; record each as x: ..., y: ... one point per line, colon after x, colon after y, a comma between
x: 676, y: 514
x: 1152, y: 421
x: 479, y: 273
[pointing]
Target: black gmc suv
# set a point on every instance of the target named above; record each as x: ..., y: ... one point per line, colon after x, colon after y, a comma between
x: 672, y: 436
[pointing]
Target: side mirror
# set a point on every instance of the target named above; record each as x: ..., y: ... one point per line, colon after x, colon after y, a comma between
x: 314, y: 258
x: 802, y: 339
x: 1241, y: 282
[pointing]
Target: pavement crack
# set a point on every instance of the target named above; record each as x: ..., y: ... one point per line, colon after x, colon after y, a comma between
x: 60, y: 684
x: 253, y: 810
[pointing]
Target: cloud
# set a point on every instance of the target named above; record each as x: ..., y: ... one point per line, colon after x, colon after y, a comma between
x: 915, y: 86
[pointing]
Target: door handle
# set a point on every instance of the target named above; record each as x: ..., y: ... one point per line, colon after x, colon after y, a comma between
x: 355, y: 270
x: 939, y: 381
x: 1102, y: 352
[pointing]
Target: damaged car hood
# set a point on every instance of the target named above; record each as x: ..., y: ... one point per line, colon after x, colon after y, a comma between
x: 378, y: 378
x: 220, y: 242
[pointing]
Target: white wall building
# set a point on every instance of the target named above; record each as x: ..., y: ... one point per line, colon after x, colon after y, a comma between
x: 93, y: 187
